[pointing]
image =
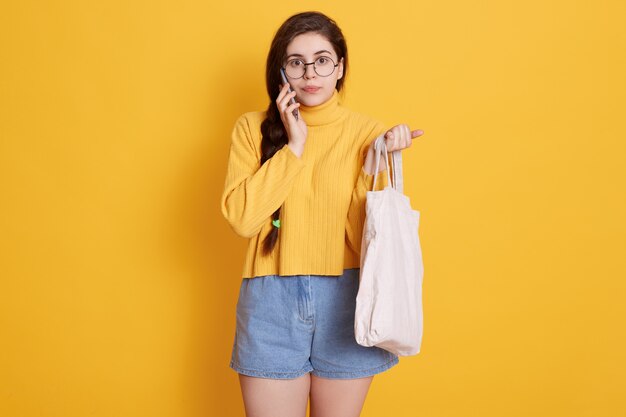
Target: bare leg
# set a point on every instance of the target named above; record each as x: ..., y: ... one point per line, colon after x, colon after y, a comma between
x: 263, y: 397
x: 338, y: 397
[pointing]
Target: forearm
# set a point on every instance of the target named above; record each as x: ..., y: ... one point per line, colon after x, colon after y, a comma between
x: 249, y: 199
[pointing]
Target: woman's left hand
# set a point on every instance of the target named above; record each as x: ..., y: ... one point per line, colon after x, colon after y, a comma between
x: 396, y: 138
x: 400, y: 137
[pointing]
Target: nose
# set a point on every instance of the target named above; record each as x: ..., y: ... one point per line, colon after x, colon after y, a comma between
x: 306, y: 71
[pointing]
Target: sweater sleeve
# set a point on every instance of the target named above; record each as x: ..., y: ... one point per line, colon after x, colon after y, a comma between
x: 252, y: 193
x: 356, y: 212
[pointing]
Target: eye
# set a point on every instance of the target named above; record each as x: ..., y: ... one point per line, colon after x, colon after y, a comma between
x: 323, y: 60
x: 295, y: 63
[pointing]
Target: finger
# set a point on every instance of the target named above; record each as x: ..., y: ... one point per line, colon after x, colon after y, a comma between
x: 398, y: 132
x: 281, y: 89
x: 416, y: 133
x: 292, y: 107
x: 399, y: 137
x: 284, y: 101
x: 406, y: 136
x: 289, y: 95
x: 281, y: 92
x: 392, y: 142
x: 289, y: 111
x: 389, y: 137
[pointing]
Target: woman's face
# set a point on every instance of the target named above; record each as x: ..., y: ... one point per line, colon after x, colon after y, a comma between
x: 312, y: 89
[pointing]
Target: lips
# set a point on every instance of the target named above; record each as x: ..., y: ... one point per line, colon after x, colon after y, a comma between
x: 311, y: 89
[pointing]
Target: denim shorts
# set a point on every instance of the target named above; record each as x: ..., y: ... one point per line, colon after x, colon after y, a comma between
x: 290, y: 325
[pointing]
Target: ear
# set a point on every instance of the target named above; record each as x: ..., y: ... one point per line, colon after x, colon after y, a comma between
x: 340, y: 68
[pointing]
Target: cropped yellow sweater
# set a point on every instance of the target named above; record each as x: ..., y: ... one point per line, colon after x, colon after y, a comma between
x: 321, y: 194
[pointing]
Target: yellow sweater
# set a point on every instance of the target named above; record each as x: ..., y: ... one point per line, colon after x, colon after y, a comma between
x: 322, y: 193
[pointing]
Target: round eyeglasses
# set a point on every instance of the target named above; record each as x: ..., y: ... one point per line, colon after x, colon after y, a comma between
x: 323, y: 66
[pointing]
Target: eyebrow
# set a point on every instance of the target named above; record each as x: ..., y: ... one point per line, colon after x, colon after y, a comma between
x: 317, y: 53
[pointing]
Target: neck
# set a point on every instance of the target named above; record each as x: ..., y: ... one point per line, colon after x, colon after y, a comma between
x: 322, y: 114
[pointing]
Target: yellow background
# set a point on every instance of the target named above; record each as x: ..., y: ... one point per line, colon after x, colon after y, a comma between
x: 119, y: 277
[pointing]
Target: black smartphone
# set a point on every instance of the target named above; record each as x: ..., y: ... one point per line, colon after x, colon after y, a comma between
x: 293, y: 99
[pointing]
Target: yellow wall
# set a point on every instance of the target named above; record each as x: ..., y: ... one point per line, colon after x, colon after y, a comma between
x: 119, y: 277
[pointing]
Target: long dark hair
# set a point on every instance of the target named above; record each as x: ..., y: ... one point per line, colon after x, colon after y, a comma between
x: 272, y: 128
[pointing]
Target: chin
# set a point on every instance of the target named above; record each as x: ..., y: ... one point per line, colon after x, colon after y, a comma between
x: 311, y: 103
x: 316, y: 101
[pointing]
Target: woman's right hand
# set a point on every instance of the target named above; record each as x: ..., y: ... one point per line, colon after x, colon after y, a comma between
x: 296, y: 129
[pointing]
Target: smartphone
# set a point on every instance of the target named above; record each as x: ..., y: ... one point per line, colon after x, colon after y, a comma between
x: 293, y: 99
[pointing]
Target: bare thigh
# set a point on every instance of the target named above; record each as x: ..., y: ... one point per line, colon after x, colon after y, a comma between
x: 338, y: 397
x: 263, y: 397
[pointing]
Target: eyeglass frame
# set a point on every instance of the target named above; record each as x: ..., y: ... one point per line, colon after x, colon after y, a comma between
x: 314, y: 69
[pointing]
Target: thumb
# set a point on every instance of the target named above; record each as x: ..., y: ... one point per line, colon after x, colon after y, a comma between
x: 416, y: 133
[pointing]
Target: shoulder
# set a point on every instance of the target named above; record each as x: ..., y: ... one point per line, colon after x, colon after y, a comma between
x: 250, y: 120
x: 365, y: 124
x: 246, y: 133
x: 367, y: 129
x: 247, y: 128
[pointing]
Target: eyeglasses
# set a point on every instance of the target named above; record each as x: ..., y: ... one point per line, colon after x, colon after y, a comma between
x: 323, y: 66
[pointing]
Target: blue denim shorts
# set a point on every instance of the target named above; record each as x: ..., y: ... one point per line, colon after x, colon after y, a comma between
x: 290, y: 325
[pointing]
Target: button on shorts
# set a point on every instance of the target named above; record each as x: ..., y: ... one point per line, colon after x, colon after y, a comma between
x: 290, y: 325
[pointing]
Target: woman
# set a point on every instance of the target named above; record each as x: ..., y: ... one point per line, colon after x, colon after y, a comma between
x: 295, y: 186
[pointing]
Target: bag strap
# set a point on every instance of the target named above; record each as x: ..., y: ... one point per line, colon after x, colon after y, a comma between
x: 398, y: 179
x: 380, y: 148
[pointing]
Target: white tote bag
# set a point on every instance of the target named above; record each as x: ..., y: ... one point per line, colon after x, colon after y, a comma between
x: 389, y: 300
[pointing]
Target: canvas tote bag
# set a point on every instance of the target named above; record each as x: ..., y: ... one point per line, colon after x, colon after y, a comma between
x: 389, y: 300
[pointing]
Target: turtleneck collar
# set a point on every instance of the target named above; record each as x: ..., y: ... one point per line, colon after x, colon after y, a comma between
x: 324, y: 113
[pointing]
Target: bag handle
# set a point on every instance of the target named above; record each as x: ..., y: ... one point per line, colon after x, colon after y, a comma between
x: 380, y: 148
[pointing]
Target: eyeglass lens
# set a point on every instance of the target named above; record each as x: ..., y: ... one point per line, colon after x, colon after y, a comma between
x: 323, y: 66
